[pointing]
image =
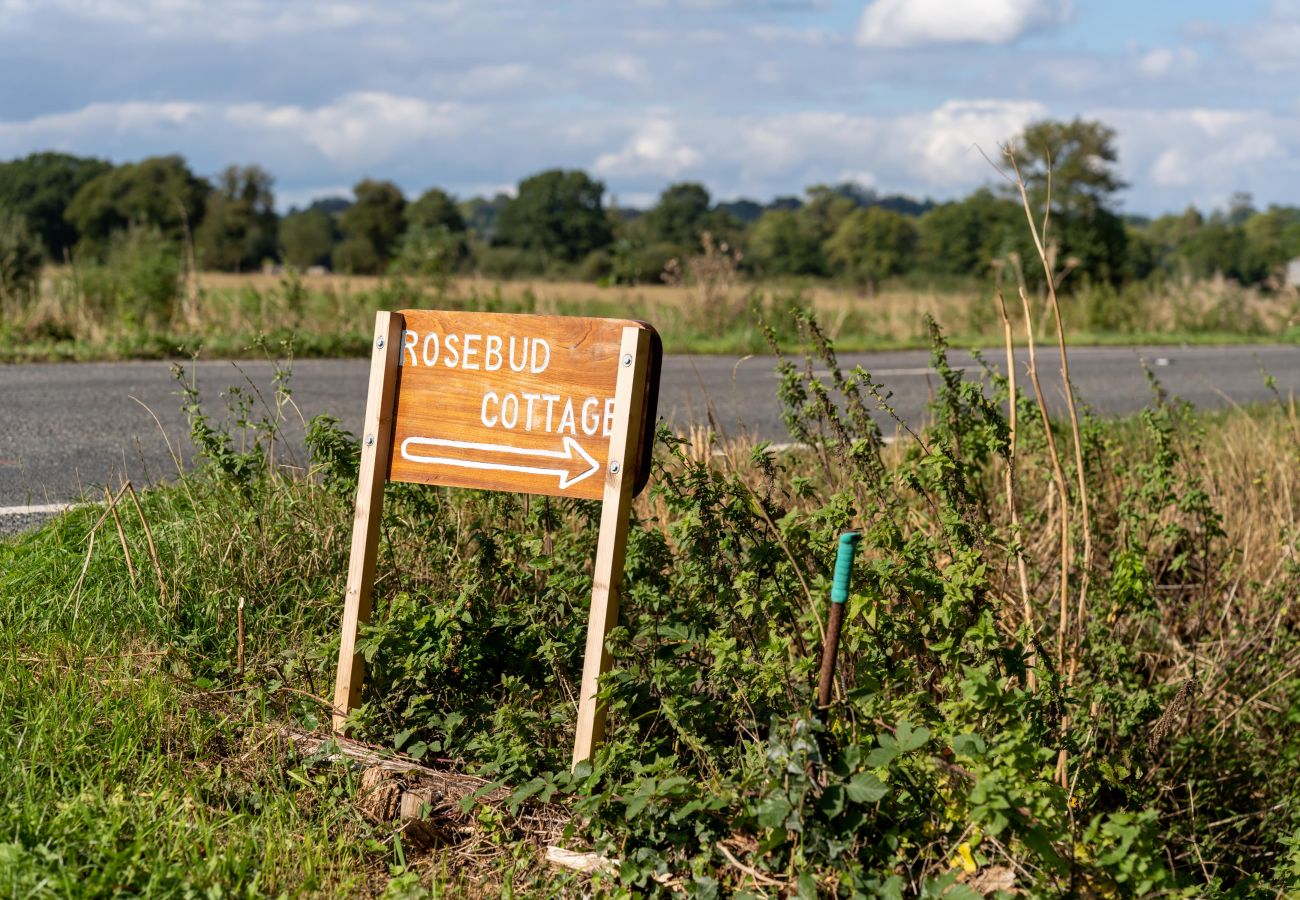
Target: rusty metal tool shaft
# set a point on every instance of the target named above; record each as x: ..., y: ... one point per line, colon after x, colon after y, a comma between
x: 847, y: 549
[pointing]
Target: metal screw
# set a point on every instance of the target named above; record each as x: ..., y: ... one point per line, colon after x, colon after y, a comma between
x: 627, y: 359
x: 614, y: 467
x: 380, y: 344
x: 370, y: 440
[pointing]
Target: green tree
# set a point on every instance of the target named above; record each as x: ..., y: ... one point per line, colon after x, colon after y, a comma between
x: 782, y: 243
x: 160, y: 191
x: 20, y: 262
x: 434, y: 209
x: 964, y: 237
x: 435, y: 242
x: 239, y: 225
x: 1169, y: 232
x: 1216, y: 248
x: 1075, y: 164
x: 372, y: 227
x: 1273, y: 238
x: 826, y: 208
x: 40, y: 187
x: 557, y: 214
x: 481, y: 215
x: 872, y: 244
x: 678, y: 218
x: 307, y: 238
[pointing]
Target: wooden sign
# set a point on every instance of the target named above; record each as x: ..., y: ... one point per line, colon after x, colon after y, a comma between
x: 533, y: 404
x: 512, y: 403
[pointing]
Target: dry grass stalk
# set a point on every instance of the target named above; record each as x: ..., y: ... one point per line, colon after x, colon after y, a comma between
x: 1052, y: 279
x: 1009, y: 475
x: 163, y: 593
x: 121, y: 536
x: 1058, y: 477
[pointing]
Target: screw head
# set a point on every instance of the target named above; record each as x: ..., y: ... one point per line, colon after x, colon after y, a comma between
x: 370, y: 440
x: 380, y: 344
x: 627, y: 359
x: 614, y: 467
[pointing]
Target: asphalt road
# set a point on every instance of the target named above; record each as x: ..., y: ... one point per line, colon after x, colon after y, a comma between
x: 65, y: 428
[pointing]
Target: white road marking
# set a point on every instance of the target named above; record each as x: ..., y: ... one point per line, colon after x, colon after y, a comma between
x: 34, y: 510
x: 874, y: 373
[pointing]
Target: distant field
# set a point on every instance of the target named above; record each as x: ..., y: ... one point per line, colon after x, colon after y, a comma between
x: 103, y: 314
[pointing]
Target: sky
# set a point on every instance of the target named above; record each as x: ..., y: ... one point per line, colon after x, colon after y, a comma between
x: 752, y: 98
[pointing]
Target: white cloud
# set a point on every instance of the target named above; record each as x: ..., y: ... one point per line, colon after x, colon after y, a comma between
x: 1179, y: 167
x: 490, y: 79
x: 654, y: 149
x: 1164, y: 60
x: 237, y: 21
x: 1270, y: 43
x: 938, y: 150
x: 1203, y: 154
x: 859, y: 177
x: 106, y: 121
x: 914, y: 23
x: 950, y: 143
x: 359, y: 129
x: 621, y: 66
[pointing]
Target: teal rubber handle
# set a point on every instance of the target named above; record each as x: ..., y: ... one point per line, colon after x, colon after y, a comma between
x: 848, y: 548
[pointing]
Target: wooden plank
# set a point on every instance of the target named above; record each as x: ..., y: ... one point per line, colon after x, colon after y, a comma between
x: 504, y: 402
x: 612, y: 547
x: 376, y: 439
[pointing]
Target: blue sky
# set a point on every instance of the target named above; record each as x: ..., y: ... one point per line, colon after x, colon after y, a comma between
x: 751, y: 97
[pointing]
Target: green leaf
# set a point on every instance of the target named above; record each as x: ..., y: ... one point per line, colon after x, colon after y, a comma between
x: 968, y: 745
x: 832, y: 801
x: 774, y: 809
x: 882, y: 756
x: 866, y: 788
x: 910, y: 738
x: 526, y: 790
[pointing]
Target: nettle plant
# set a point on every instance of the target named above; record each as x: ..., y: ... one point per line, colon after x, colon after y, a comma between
x: 936, y: 760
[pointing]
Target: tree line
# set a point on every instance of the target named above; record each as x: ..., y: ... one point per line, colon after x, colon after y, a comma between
x: 59, y: 207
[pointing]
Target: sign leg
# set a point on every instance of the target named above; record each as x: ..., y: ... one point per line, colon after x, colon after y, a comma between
x: 616, y: 506
x: 376, y: 440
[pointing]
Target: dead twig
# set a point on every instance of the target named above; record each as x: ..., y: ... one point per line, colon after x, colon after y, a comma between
x: 752, y: 873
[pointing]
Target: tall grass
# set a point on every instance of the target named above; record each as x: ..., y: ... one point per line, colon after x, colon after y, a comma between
x: 99, y: 311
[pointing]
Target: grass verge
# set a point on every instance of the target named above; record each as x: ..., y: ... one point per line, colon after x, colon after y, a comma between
x: 975, y: 747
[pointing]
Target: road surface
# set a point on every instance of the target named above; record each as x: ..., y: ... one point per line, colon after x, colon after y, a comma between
x: 67, y: 427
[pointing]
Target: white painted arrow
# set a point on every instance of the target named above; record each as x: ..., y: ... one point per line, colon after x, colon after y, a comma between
x: 567, y: 478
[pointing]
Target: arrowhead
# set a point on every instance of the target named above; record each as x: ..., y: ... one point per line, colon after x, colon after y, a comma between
x: 573, y: 449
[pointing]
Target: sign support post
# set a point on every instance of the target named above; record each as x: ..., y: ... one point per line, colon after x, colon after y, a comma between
x: 377, y: 435
x: 607, y: 576
x: 553, y: 405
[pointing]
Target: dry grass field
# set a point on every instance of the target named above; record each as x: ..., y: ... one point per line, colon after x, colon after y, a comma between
x: 97, y: 313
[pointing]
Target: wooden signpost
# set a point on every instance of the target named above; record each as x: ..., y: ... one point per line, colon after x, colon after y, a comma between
x: 532, y: 404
